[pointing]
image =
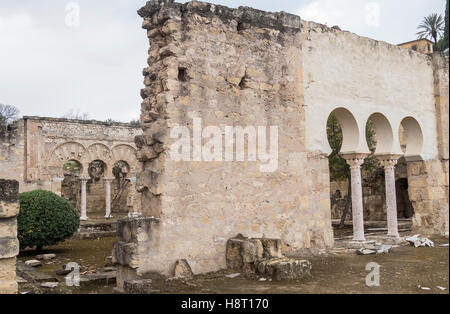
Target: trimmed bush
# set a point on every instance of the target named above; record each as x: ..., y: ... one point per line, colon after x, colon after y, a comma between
x: 45, y: 219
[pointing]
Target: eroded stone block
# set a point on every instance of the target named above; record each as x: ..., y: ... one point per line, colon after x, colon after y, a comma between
x: 139, y: 286
x: 284, y: 268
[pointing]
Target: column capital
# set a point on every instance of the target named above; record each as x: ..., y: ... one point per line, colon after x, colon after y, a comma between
x: 85, y: 179
x: 109, y: 179
x: 355, y: 160
x: 388, y: 161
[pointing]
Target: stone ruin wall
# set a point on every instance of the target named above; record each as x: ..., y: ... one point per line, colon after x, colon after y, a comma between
x: 342, y: 69
x: 34, y: 149
x: 248, y: 67
x: 9, y: 244
x: 228, y: 67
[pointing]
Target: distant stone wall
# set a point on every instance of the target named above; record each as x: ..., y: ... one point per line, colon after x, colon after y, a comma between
x: 9, y: 244
x: 33, y: 151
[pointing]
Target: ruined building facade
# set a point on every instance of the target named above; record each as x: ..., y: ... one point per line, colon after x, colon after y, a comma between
x: 38, y: 153
x: 244, y: 67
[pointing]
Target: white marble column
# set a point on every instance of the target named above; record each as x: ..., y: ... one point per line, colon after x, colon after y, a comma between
x: 108, y: 197
x: 84, y: 216
x: 355, y: 161
x: 389, y: 162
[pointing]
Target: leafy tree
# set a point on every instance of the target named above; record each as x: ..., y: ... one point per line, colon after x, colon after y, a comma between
x: 339, y: 169
x: 45, y: 219
x: 431, y: 27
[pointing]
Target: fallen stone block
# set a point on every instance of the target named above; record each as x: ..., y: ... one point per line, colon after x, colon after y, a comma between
x: 242, y: 253
x: 284, y: 268
x: 140, y: 286
x: 183, y: 270
x: 45, y: 257
x: 49, y: 285
x: 366, y: 252
x: 33, y: 263
x: 417, y: 241
x: 32, y: 274
x: 384, y: 249
x: 107, y: 278
x: 20, y: 280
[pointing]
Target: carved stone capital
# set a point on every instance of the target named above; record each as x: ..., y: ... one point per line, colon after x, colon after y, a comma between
x: 389, y: 161
x: 355, y: 160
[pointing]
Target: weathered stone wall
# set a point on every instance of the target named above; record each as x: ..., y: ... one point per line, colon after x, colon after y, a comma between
x: 34, y: 150
x: 244, y: 67
x: 9, y: 245
x: 428, y: 191
x: 365, y: 76
x: 236, y: 67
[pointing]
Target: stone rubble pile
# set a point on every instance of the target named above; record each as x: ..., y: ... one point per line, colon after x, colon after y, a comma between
x: 418, y: 241
x: 372, y: 249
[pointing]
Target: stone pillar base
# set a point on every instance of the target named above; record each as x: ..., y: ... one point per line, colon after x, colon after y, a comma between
x: 9, y: 245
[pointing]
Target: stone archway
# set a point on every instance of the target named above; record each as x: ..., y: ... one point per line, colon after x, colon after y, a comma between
x: 411, y: 136
x: 349, y: 127
x: 384, y: 135
x: 100, y: 192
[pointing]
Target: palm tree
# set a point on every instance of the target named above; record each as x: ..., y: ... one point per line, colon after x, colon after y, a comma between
x: 431, y: 27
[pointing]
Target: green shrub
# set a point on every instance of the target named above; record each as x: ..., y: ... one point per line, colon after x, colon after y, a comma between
x: 45, y: 219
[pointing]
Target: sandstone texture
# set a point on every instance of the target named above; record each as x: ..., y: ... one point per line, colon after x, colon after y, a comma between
x: 34, y: 150
x: 9, y: 245
x: 245, y: 67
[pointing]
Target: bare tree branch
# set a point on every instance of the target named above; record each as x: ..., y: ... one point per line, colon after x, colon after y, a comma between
x: 8, y: 113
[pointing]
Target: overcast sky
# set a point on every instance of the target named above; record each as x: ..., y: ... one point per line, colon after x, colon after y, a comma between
x: 50, y: 63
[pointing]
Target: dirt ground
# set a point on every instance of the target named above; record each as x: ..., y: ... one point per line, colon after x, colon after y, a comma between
x: 401, y: 272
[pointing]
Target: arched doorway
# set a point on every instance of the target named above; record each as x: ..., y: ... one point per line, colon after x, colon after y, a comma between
x: 343, y: 137
x: 121, y: 171
x: 95, y: 188
x: 411, y: 137
x: 71, y: 185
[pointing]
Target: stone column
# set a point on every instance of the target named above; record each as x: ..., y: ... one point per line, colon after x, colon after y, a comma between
x: 108, y: 197
x: 84, y: 216
x: 9, y: 245
x: 389, y: 162
x: 355, y: 161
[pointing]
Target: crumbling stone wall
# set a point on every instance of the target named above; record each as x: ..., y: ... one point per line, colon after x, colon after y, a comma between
x: 9, y: 244
x: 228, y: 67
x: 248, y: 67
x: 34, y: 150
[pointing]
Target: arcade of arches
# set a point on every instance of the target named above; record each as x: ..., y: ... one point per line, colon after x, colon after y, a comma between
x: 92, y: 164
